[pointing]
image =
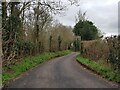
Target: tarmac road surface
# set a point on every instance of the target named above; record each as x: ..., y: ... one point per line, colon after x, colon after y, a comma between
x: 62, y: 72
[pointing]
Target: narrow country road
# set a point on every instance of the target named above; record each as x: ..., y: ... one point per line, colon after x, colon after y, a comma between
x: 62, y: 72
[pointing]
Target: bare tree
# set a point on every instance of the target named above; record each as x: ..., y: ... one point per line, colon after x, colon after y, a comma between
x: 25, y: 22
x: 80, y: 16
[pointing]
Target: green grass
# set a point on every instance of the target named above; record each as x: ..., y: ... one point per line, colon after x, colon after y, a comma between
x: 27, y: 63
x: 104, y: 71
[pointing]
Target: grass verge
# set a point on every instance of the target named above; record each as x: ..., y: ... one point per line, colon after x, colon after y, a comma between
x: 27, y: 63
x: 104, y: 71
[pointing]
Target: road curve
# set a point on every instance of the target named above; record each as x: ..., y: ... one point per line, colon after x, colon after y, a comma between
x: 62, y: 72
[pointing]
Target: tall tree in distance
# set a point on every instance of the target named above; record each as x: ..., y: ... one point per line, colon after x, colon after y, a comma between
x: 85, y: 28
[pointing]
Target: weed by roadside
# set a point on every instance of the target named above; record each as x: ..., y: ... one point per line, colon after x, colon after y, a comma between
x: 104, y: 71
x: 13, y: 71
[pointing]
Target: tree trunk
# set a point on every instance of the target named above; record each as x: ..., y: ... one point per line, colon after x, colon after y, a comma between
x: 4, y: 14
x: 2, y: 29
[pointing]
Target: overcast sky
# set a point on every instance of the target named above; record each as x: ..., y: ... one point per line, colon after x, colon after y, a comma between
x: 104, y: 13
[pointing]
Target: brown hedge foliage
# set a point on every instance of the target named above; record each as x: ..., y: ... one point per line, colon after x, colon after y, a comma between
x: 103, y: 49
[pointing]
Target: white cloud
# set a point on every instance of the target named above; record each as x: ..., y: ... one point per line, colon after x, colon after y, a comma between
x: 104, y: 13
